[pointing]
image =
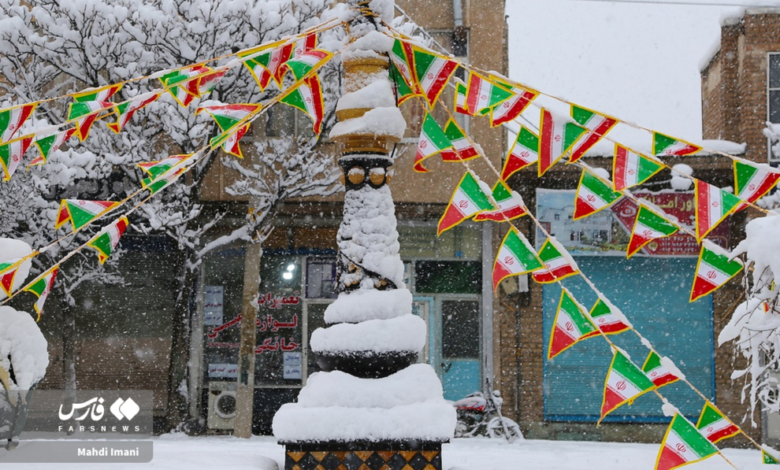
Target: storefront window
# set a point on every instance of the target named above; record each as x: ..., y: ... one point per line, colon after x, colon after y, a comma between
x: 321, y: 278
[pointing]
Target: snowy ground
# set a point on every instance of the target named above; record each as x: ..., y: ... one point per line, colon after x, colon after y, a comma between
x: 174, y: 452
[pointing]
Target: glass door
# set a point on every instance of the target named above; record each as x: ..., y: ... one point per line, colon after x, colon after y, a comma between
x: 459, y: 347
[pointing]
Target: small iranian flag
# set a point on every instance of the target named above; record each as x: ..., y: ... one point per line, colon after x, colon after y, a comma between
x: 597, y: 126
x: 47, y: 145
x: 712, y: 206
x: 402, y: 57
x: 125, y: 111
x: 714, y: 425
x: 460, y: 98
x: 302, y: 64
x: 106, y: 241
x: 468, y: 200
x: 483, y: 94
x: 183, y: 84
x: 668, y: 146
x: 41, y: 287
x: 713, y: 270
x: 160, y: 167
x: 515, y: 257
x: 96, y: 94
x: 768, y: 459
x: 209, y: 80
x: 80, y: 109
x: 402, y: 89
x: 154, y: 185
x: 12, y: 119
x: 8, y: 270
x: 557, y: 265
x: 12, y: 153
x: 462, y: 148
x: 513, y: 107
x: 265, y: 62
x: 230, y: 115
x: 625, y: 382
x: 683, y: 444
x: 557, y: 135
x: 524, y: 152
x: 229, y: 140
x: 608, y: 318
x: 510, y: 205
x: 648, y: 226
x: 432, y: 72
x: 81, y: 213
x: 307, y: 96
x: 571, y: 325
x: 432, y: 141
x: 655, y: 370
x: 593, y: 194
x: 752, y: 181
x: 630, y: 169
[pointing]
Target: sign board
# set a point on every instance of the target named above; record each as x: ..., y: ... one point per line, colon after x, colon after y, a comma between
x: 293, y: 365
x: 212, y: 305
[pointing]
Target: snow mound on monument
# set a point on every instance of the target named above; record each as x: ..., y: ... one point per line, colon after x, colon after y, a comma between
x: 401, y: 334
x: 370, y: 304
x: 23, y: 348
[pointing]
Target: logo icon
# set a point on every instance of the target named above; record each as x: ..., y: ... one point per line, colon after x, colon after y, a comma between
x: 463, y: 204
x: 95, y: 410
x: 711, y: 274
x: 569, y: 326
x: 590, y: 198
x: 124, y: 409
x: 621, y: 385
x: 509, y: 260
x: 681, y: 447
x: 558, y: 137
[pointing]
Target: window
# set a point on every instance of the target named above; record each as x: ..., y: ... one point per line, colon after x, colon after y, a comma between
x: 557, y: 216
x: 284, y: 121
x: 773, y: 95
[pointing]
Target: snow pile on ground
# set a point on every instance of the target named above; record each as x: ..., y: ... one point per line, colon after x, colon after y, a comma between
x: 371, y: 304
x: 11, y: 250
x: 400, y: 334
x: 23, y: 348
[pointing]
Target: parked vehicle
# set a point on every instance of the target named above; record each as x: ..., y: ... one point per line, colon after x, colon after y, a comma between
x: 480, y: 415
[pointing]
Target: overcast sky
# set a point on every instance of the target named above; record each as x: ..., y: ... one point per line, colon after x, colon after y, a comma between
x: 638, y: 62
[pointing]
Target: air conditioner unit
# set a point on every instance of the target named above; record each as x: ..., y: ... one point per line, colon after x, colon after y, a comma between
x: 222, y: 405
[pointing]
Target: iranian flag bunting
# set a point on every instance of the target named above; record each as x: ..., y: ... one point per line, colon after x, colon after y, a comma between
x: 510, y: 205
x: 468, y: 200
x: 664, y: 145
x: 41, y: 287
x: 558, y: 264
x: 229, y: 140
x: 230, y: 115
x: 160, y: 167
x: 155, y: 185
x: 714, y: 425
x: 209, y: 80
x: 557, y: 135
x: 266, y: 60
x: 768, y: 459
x: 302, y: 64
x: 125, y: 111
x: 683, y: 444
x: 460, y: 98
x: 47, y: 145
x: 81, y: 213
x: 462, y: 148
x: 524, y: 152
x: 402, y: 89
x: 12, y: 119
x: 432, y: 141
x: 96, y: 94
x: 513, y: 107
x: 432, y: 72
x: 712, y: 206
x: 79, y: 110
x: 593, y: 194
x: 106, y: 241
x: 571, y: 324
x: 515, y: 257
x: 402, y: 57
x: 648, y: 226
x: 184, y: 84
x: 597, y: 126
x: 12, y: 153
x: 654, y: 369
x: 307, y: 96
x: 8, y: 270
x: 483, y: 94
x: 752, y: 181
x: 630, y: 169
x: 608, y: 318
x: 713, y: 270
x: 625, y: 382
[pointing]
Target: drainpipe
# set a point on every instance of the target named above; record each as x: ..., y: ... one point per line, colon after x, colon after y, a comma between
x: 457, y: 12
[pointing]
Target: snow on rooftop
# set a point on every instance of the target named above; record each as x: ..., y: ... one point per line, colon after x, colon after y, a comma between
x: 606, y: 148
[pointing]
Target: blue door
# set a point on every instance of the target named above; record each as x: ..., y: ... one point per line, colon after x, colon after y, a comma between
x: 459, y: 347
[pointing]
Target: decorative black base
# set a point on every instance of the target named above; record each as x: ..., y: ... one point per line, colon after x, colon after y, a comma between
x: 406, y: 455
x: 366, y: 365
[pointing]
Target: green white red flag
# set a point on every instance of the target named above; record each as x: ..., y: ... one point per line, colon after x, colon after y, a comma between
x: 524, y: 152
x: 510, y: 205
x: 713, y: 270
x: 96, y: 94
x: 106, y: 241
x: 648, y: 226
x: 753, y: 180
x: 12, y: 119
x: 432, y: 72
x: 230, y: 115
x: 462, y: 147
x: 229, y: 140
x: 557, y: 136
x: 515, y: 257
x: 8, y: 270
x: 558, y: 264
x: 160, y: 167
x: 51, y: 143
x: 12, y: 153
x: 301, y: 64
x: 571, y: 325
x: 264, y: 63
x: 307, y: 97
x: 597, y: 126
x: 84, y: 114
x: 768, y: 459
x: 593, y: 195
x: 81, y: 213
x: 664, y: 145
x: 513, y: 107
x: 483, y: 94
x: 608, y: 318
x: 184, y: 84
x: 714, y: 425
x: 468, y: 200
x: 432, y: 141
x: 712, y: 206
x: 41, y: 287
x: 403, y: 91
x: 460, y: 98
x: 209, y: 80
x: 402, y: 57
x: 655, y: 370
x: 630, y: 169
x: 125, y: 111
x: 625, y: 382
x: 683, y: 444
x: 155, y: 185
